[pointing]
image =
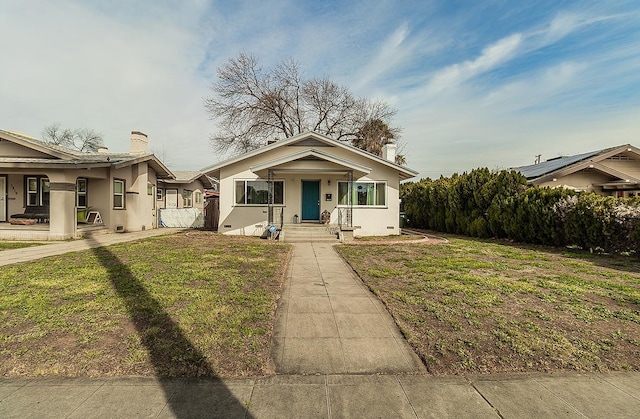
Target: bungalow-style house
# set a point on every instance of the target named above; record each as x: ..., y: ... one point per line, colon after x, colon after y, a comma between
x: 181, y: 199
x: 61, y: 188
x: 613, y: 171
x: 313, y: 179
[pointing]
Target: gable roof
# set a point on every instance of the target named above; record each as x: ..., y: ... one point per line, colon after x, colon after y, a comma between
x: 63, y: 157
x: 314, y: 154
x: 564, y: 166
x: 313, y: 141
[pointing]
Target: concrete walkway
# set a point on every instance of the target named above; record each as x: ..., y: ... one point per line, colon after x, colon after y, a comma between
x: 26, y: 254
x: 326, y: 396
x: 328, y: 322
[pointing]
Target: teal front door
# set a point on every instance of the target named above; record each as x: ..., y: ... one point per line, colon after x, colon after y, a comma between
x: 310, y: 200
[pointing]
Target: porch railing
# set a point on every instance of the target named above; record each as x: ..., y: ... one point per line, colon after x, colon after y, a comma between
x: 345, y: 218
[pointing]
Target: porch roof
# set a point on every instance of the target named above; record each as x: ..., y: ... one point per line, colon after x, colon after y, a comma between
x: 60, y: 157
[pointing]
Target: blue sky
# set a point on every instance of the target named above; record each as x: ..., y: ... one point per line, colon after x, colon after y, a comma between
x: 476, y: 83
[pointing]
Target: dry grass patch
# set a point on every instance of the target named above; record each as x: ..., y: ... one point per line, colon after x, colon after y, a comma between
x: 194, y: 304
x: 484, y: 307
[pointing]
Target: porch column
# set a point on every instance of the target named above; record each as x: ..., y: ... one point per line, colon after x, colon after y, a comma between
x: 62, y: 213
x: 270, y: 197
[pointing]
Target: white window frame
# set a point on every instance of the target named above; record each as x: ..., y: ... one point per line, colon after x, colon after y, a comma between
x: 159, y: 194
x: 174, y: 192
x: 187, y: 198
x: 32, y: 195
x: 246, y: 183
x: 198, y: 197
x: 35, y: 196
x: 119, y: 194
x: 376, y: 183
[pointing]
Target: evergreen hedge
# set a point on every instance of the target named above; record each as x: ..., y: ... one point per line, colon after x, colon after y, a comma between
x: 500, y: 204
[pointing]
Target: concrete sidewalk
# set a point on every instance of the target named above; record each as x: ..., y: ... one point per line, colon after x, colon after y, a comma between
x: 26, y: 254
x: 328, y: 322
x: 327, y: 396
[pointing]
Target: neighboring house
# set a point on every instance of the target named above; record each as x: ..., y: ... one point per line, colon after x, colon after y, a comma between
x: 613, y: 171
x: 61, y: 185
x: 181, y: 200
x: 310, y: 178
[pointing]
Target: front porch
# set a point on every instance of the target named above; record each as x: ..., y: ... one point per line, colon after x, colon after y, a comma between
x: 41, y: 231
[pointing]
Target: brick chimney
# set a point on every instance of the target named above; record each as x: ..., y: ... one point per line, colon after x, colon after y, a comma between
x: 139, y: 142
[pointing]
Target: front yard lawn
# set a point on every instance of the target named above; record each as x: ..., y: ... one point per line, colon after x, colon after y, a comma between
x: 191, y: 304
x: 472, y: 306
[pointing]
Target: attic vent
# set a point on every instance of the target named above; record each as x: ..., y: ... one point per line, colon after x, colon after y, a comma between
x: 309, y: 142
x: 621, y: 157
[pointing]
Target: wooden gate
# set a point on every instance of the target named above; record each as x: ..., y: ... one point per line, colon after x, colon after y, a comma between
x: 212, y: 213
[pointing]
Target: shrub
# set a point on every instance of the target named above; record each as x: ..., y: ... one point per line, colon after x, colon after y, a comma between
x: 499, y: 204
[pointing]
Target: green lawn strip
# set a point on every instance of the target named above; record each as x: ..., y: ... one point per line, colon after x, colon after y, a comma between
x: 481, y: 306
x: 182, y: 305
x: 17, y: 245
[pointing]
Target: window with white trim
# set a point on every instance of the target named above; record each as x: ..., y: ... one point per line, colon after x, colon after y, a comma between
x: 363, y: 194
x: 159, y: 194
x: 37, y: 191
x: 171, y: 198
x: 256, y: 192
x: 118, y: 194
x: 187, y: 198
x: 32, y: 191
x: 198, y: 197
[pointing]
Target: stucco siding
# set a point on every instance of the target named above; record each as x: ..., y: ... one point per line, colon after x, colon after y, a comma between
x: 8, y: 149
x: 252, y: 220
x: 631, y: 168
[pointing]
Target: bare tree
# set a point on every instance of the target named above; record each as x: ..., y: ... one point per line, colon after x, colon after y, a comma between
x: 83, y: 139
x: 252, y: 105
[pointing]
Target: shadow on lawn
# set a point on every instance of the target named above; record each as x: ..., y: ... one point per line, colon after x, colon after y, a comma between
x: 190, y: 384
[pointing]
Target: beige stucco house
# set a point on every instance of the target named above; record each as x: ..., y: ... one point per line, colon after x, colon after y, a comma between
x: 613, y: 171
x: 58, y: 188
x: 181, y: 199
x: 310, y: 178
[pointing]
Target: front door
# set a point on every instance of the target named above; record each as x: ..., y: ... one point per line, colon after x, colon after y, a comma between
x: 310, y: 200
x: 3, y: 198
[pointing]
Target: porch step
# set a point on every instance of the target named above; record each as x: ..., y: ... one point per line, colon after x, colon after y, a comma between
x: 302, y: 233
x: 93, y: 232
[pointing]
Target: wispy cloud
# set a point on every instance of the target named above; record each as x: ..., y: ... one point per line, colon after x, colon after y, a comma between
x: 392, y: 52
x: 491, y: 57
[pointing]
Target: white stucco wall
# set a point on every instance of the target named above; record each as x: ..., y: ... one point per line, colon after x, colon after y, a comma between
x: 252, y: 220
